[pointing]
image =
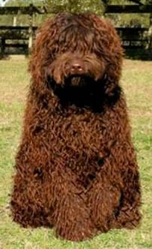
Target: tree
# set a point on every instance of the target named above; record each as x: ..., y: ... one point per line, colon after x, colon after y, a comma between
x: 76, y: 5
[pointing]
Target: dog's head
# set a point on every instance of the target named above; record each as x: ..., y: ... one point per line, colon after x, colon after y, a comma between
x: 76, y: 69
x: 77, y: 50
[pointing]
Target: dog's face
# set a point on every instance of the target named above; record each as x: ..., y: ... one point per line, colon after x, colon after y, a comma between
x: 76, y: 69
x: 77, y: 57
x: 78, y: 51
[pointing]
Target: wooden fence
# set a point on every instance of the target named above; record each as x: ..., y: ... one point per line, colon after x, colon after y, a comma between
x: 19, y: 39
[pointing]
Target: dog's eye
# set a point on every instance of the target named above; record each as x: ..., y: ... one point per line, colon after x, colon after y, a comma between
x: 101, y: 162
x: 38, y: 173
x: 91, y: 176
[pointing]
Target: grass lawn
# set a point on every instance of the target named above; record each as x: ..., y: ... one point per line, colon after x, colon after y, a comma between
x: 137, y: 83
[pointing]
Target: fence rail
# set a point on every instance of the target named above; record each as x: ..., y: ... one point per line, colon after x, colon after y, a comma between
x: 18, y: 37
x: 124, y: 9
x: 17, y: 32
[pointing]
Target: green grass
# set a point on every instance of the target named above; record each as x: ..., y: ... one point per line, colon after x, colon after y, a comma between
x: 137, y: 84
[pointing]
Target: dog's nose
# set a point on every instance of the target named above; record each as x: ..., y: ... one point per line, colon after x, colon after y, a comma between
x: 76, y: 68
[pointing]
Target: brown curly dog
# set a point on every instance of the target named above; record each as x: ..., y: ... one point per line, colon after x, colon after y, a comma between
x: 76, y: 167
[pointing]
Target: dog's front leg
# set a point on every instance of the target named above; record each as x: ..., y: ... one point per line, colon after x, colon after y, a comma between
x: 71, y: 215
x: 114, y: 198
x: 103, y: 198
x: 127, y: 214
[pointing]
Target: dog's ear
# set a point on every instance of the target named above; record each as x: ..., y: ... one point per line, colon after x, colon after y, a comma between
x: 109, y: 48
x: 43, y: 54
x: 114, y: 57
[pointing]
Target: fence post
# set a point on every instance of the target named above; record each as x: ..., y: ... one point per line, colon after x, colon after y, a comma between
x: 14, y: 21
x: 150, y: 34
x: 30, y: 41
x: 2, y: 47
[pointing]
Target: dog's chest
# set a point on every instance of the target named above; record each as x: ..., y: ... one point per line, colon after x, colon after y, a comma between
x: 78, y: 136
x: 77, y: 141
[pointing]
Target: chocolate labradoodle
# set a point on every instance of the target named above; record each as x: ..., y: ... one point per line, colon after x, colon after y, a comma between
x: 76, y: 167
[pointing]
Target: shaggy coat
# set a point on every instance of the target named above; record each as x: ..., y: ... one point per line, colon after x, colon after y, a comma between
x: 76, y: 167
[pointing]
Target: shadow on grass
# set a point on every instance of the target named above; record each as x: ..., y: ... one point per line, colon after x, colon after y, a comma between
x: 139, y: 54
x: 4, y: 56
x: 8, y: 56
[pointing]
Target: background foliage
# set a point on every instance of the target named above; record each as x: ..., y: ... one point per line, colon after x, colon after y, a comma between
x: 96, y: 6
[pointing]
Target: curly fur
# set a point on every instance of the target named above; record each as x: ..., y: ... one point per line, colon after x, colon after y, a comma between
x: 76, y: 167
